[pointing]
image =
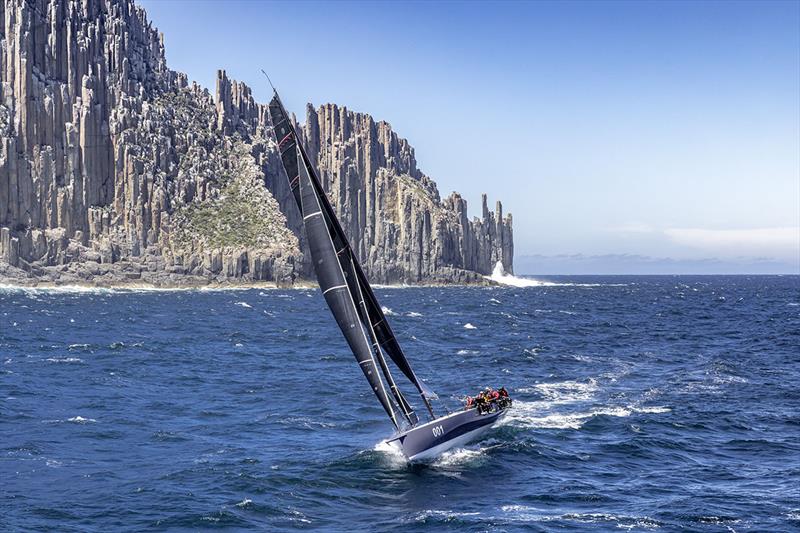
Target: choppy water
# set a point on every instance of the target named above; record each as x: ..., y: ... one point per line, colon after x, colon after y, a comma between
x: 642, y: 403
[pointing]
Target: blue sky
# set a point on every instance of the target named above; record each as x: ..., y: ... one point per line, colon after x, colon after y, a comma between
x: 664, y: 130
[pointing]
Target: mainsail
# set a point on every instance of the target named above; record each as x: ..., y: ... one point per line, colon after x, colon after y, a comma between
x: 341, y: 278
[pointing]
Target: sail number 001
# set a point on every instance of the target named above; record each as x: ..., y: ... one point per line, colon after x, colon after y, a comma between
x: 438, y: 431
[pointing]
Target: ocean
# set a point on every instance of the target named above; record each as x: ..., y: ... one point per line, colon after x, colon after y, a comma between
x: 652, y: 403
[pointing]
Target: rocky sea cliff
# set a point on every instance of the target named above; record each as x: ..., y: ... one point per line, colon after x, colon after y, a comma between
x: 115, y: 169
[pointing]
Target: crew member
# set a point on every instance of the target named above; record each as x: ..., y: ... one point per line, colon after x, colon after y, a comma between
x: 480, y: 402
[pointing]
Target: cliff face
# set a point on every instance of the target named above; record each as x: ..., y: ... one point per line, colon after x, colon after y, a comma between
x: 398, y: 224
x: 113, y: 168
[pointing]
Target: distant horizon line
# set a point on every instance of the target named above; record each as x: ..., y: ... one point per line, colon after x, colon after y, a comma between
x: 621, y: 264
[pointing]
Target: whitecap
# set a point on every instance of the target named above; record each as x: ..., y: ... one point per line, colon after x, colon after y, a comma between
x: 413, y: 314
x: 564, y: 391
x: 459, y: 457
x: 244, y: 304
x: 387, y: 311
x: 244, y: 503
x: 611, y: 411
x: 533, y: 514
x: 116, y: 345
x: 78, y: 346
x: 81, y: 420
x: 526, y: 513
x: 64, y: 360
x: 651, y: 410
x: 551, y: 421
x: 532, y: 351
x: 469, y: 326
x: 442, y: 516
x: 727, y: 378
x: 466, y: 352
x: 306, y: 422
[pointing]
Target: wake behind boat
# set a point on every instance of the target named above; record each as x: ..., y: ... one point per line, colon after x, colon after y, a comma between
x: 362, y: 320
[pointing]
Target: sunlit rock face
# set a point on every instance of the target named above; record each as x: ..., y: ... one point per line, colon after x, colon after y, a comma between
x: 115, y: 169
x: 397, y: 222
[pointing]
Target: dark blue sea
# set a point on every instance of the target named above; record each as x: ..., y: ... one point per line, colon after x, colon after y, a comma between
x: 641, y: 404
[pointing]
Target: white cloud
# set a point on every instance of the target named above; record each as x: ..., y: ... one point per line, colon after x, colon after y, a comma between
x: 781, y: 242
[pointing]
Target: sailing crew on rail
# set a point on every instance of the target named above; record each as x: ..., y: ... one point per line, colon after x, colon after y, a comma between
x: 488, y: 399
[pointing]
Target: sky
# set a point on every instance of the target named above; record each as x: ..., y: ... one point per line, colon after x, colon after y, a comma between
x: 668, y: 131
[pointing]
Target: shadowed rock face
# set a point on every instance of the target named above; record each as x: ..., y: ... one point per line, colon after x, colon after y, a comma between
x: 114, y: 168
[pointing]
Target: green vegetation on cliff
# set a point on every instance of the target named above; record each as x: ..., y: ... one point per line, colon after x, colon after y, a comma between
x: 244, y: 214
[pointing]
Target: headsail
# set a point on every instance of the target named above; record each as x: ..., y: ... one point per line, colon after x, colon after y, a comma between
x: 340, y: 276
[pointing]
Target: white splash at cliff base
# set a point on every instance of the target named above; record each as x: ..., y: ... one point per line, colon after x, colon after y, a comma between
x: 499, y: 275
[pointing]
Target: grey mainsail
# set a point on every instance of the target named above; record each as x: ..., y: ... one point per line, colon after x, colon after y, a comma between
x: 334, y: 287
x: 342, y: 279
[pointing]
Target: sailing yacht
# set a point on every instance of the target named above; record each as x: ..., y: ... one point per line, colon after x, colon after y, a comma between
x: 360, y: 317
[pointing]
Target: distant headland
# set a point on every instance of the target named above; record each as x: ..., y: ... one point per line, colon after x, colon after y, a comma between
x: 117, y: 171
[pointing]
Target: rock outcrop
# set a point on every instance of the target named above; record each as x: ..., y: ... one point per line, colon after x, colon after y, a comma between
x: 114, y: 168
x: 399, y: 226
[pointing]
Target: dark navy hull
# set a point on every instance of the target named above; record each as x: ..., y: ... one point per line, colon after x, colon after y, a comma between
x: 432, y: 438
